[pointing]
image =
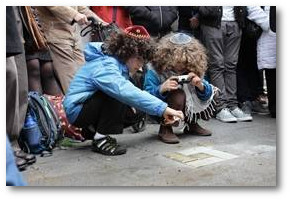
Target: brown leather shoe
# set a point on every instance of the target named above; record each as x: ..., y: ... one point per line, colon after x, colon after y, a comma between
x: 166, y: 135
x: 196, y: 129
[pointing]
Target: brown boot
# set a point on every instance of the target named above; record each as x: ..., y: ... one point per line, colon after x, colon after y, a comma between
x: 196, y: 129
x: 166, y: 135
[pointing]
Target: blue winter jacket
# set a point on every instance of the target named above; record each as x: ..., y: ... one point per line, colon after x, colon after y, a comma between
x: 152, y: 85
x: 105, y: 73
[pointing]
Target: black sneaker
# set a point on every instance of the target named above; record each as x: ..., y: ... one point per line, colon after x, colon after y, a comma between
x: 259, y: 109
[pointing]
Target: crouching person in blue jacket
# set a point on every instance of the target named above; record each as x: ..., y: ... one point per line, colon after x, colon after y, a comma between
x: 100, y: 91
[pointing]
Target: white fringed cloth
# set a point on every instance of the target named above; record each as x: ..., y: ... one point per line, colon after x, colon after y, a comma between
x: 195, y: 108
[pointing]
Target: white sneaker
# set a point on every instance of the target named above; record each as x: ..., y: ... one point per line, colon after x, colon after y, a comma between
x: 226, y: 116
x: 240, y: 115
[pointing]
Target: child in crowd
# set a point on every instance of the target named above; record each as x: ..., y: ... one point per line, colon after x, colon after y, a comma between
x: 176, y: 55
x: 101, y: 89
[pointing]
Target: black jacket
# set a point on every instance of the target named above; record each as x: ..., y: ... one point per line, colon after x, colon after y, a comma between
x: 14, y: 44
x: 185, y: 13
x: 156, y: 19
x: 212, y: 15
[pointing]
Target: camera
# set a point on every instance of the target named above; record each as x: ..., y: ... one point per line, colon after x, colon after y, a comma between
x: 183, y: 79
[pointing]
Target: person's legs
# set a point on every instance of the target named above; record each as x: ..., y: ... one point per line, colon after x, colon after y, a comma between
x: 23, y: 88
x: 66, y: 61
x: 105, y: 115
x: 249, y: 82
x: 271, y: 90
x: 34, y: 79
x: 16, y: 106
x: 232, y: 39
x: 247, y: 70
x: 260, y: 79
x: 175, y: 100
x: 12, y: 87
x: 212, y: 39
x: 49, y: 83
x: 12, y: 108
x: 16, y: 95
x: 259, y: 103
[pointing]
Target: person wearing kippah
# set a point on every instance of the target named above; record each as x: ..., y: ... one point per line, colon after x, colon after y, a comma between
x: 179, y: 54
x: 101, y: 89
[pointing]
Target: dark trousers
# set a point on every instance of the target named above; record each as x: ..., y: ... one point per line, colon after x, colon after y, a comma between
x: 176, y: 100
x: 249, y: 78
x: 271, y: 90
x: 223, y: 46
x: 16, y: 95
x: 103, y: 112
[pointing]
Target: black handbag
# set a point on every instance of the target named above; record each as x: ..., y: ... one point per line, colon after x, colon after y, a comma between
x: 99, y: 32
x: 252, y: 30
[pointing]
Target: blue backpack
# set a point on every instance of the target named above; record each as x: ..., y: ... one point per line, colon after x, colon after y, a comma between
x: 42, y: 128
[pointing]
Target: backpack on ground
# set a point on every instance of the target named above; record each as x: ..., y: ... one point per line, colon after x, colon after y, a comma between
x: 41, y: 129
x: 68, y: 129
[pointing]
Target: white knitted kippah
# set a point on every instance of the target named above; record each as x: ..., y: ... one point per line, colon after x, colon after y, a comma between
x: 180, y: 38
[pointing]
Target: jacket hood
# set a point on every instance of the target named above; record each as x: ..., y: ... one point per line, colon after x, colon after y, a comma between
x: 93, y: 51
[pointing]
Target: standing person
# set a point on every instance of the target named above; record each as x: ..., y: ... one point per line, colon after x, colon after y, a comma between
x: 101, y: 88
x: 156, y: 19
x: 249, y: 80
x: 16, y: 85
x: 266, y: 52
x: 220, y: 28
x: 115, y: 14
x: 177, y: 55
x: 41, y: 76
x: 188, y: 20
x: 59, y: 24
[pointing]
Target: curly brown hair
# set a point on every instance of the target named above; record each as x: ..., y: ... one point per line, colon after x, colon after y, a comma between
x: 124, y: 47
x: 193, y: 55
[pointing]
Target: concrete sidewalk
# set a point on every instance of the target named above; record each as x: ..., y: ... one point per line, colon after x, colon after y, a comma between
x: 237, y: 154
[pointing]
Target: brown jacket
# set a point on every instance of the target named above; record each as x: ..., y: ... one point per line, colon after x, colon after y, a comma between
x: 56, y: 22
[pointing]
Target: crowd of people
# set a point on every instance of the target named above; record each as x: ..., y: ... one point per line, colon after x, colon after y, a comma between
x: 197, y: 63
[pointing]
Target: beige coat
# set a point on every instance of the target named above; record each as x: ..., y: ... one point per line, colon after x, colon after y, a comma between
x: 56, y: 22
x: 63, y: 39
